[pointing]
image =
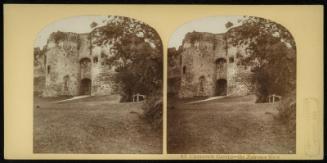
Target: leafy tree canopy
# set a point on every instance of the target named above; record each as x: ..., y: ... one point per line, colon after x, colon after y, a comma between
x: 136, y: 54
x: 271, y: 51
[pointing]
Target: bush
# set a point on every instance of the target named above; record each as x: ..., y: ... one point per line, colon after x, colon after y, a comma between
x: 270, y: 52
x: 153, y: 111
x: 287, y: 111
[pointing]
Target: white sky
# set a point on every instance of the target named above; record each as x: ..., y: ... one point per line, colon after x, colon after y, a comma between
x: 214, y: 24
x: 76, y: 24
x: 81, y: 24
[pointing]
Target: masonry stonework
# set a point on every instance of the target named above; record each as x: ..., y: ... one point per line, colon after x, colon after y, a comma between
x: 73, y: 66
x: 207, y: 65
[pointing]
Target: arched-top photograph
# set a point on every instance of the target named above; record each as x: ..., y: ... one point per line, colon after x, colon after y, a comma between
x: 98, y: 86
x: 233, y: 78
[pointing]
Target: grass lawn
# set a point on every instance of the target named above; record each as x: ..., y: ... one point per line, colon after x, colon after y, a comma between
x: 232, y: 125
x: 92, y: 125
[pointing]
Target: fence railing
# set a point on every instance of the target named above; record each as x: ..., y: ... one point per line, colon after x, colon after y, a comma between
x: 273, y: 98
x: 138, y: 97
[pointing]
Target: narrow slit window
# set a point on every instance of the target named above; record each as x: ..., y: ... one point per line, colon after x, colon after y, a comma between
x: 95, y: 60
x: 49, y: 68
x: 184, y: 69
x: 231, y: 59
x: 103, y: 55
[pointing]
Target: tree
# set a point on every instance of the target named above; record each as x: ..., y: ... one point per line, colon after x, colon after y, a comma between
x: 137, y: 54
x: 229, y: 24
x: 93, y: 24
x: 272, y: 55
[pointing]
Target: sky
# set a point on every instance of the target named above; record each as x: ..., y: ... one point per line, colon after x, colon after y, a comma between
x: 81, y: 24
x: 213, y: 24
x: 76, y: 24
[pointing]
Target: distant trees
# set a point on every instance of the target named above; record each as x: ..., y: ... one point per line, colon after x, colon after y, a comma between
x: 272, y: 53
x: 39, y: 53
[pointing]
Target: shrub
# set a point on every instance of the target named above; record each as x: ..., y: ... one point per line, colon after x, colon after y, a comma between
x: 287, y: 112
x: 271, y: 54
x: 153, y: 111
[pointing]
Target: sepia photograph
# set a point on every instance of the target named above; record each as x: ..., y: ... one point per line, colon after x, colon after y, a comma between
x: 231, y: 87
x: 163, y: 82
x: 98, y: 84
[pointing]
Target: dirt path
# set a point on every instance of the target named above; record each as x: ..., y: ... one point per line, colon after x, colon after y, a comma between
x: 228, y: 125
x: 92, y: 127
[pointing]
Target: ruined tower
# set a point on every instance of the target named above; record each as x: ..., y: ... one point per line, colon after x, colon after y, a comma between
x: 73, y: 66
x: 62, y: 65
x: 209, y: 66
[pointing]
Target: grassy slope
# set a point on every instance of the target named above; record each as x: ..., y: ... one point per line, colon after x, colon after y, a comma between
x: 92, y: 126
x: 230, y: 125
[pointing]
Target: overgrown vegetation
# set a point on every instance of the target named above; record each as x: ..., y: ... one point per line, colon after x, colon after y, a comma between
x: 271, y: 52
x: 137, y: 56
x: 38, y: 53
x: 61, y: 36
x: 198, y: 36
x: 287, y: 112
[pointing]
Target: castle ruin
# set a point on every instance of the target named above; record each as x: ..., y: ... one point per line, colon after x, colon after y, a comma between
x: 71, y: 66
x: 207, y: 64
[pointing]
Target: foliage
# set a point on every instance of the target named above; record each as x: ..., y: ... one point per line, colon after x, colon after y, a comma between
x: 229, y: 24
x: 153, y: 110
x: 38, y: 53
x: 195, y: 36
x: 93, y: 24
x: 287, y: 112
x: 137, y: 54
x: 58, y: 36
x: 270, y: 53
x: 61, y: 36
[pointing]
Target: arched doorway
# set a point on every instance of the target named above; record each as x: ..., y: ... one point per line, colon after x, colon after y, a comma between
x: 85, y: 87
x: 221, y: 87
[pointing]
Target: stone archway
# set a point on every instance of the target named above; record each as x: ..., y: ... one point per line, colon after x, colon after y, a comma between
x: 221, y: 87
x: 85, y: 87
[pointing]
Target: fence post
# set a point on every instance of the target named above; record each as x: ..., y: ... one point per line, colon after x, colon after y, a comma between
x: 273, y: 98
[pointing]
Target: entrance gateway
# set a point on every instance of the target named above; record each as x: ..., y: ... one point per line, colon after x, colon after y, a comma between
x: 221, y: 87
x: 85, y: 87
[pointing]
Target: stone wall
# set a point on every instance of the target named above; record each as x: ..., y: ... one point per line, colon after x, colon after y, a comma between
x: 239, y: 77
x: 102, y: 72
x: 69, y: 59
x: 198, y: 66
x: 62, y: 65
x: 209, y: 67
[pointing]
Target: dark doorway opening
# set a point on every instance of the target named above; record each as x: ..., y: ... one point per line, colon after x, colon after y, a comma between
x: 85, y: 88
x: 221, y: 87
